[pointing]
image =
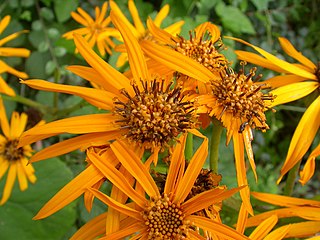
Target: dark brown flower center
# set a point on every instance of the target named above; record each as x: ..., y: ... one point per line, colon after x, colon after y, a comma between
x: 156, y: 115
x: 11, y: 152
x: 317, y: 73
x: 203, y: 51
x: 164, y: 219
x: 240, y: 96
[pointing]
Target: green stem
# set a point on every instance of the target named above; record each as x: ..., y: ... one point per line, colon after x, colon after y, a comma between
x: 288, y: 188
x: 189, y: 147
x: 26, y: 101
x: 66, y: 111
x: 214, y: 147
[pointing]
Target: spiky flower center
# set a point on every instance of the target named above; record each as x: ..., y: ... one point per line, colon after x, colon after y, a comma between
x: 156, y: 114
x: 239, y: 95
x: 10, y: 152
x: 317, y: 73
x: 203, y: 51
x: 164, y: 219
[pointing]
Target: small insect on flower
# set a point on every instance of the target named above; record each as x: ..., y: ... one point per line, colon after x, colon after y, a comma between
x: 243, y: 126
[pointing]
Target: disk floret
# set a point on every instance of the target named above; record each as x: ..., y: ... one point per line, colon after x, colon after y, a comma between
x: 10, y: 151
x: 164, y: 219
x: 156, y: 114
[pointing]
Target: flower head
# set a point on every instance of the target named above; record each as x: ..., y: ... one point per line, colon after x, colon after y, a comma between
x: 296, y: 81
x: 165, y: 214
x: 14, y: 159
x: 94, y: 28
x: 10, y: 52
x: 148, y: 111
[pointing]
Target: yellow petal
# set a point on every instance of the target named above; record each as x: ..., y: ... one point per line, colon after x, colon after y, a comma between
x: 304, y: 229
x: 303, y: 136
x: 4, y: 167
x: 284, y: 201
x: 281, y: 63
x: 192, y: 172
x: 116, y: 205
x: 116, y: 177
x: 137, y: 61
x: 14, y: 52
x: 99, y: 98
x: 135, y: 17
x: 282, y: 80
x: 71, y: 191
x: 127, y: 231
x: 258, y: 60
x: 22, y: 179
x: 79, y: 142
x: 77, y: 17
x: 92, y: 229
x: 177, y: 61
x: 241, y: 170
x: 211, y: 28
x: 4, y: 23
x: 264, y: 228
x: 292, y: 92
x: 217, y: 228
x: 3, y: 120
x: 135, y: 166
x: 11, y: 37
x: 175, y: 28
x: 162, y: 14
x: 160, y: 34
x: 247, y: 138
x: 6, y: 68
x: 309, y: 167
x: 76, y: 125
x: 5, y: 88
x: 114, y: 77
x: 279, y: 233
x: 11, y: 178
x: 292, y: 52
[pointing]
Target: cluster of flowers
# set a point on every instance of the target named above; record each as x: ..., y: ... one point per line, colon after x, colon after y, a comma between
x: 174, y: 86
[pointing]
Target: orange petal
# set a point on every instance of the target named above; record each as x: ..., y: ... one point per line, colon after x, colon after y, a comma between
x: 135, y: 166
x: 116, y: 205
x: 3, y: 120
x: 14, y: 52
x: 79, y: 142
x: 11, y: 37
x: 115, y: 78
x: 177, y: 61
x: 11, y: 178
x: 22, y: 178
x: 303, y: 229
x: 247, y: 138
x: 116, y: 177
x: 4, y: 23
x: 162, y: 14
x: 135, y: 17
x: 216, y: 228
x: 87, y: 178
x: 127, y: 231
x: 137, y: 61
x: 5, y: 88
x: 283, y: 80
x: 92, y: 229
x: 279, y: 233
x: 264, y: 228
x: 99, y: 98
x: 281, y: 63
x: 292, y: 52
x: 284, y: 201
x: 195, y: 165
x: 303, y: 136
x: 241, y: 170
x: 77, y: 125
x: 159, y: 33
x: 309, y: 167
x: 242, y: 219
x: 211, y: 28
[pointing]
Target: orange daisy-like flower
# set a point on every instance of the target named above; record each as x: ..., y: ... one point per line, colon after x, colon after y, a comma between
x: 13, y: 159
x: 148, y: 111
x: 138, y: 29
x: 297, y: 81
x: 162, y: 215
x: 305, y: 209
x: 94, y: 28
x: 10, y: 52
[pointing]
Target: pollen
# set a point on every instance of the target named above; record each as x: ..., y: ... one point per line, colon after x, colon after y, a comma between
x: 164, y: 219
x: 241, y: 96
x: 202, y: 50
x: 10, y: 152
x: 156, y: 115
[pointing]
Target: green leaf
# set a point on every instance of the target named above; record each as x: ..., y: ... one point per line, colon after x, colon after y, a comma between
x: 63, y: 9
x: 234, y: 20
x: 35, y: 64
x: 16, y: 215
x: 261, y: 4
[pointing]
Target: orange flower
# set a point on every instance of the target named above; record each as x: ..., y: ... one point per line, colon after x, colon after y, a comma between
x: 297, y: 81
